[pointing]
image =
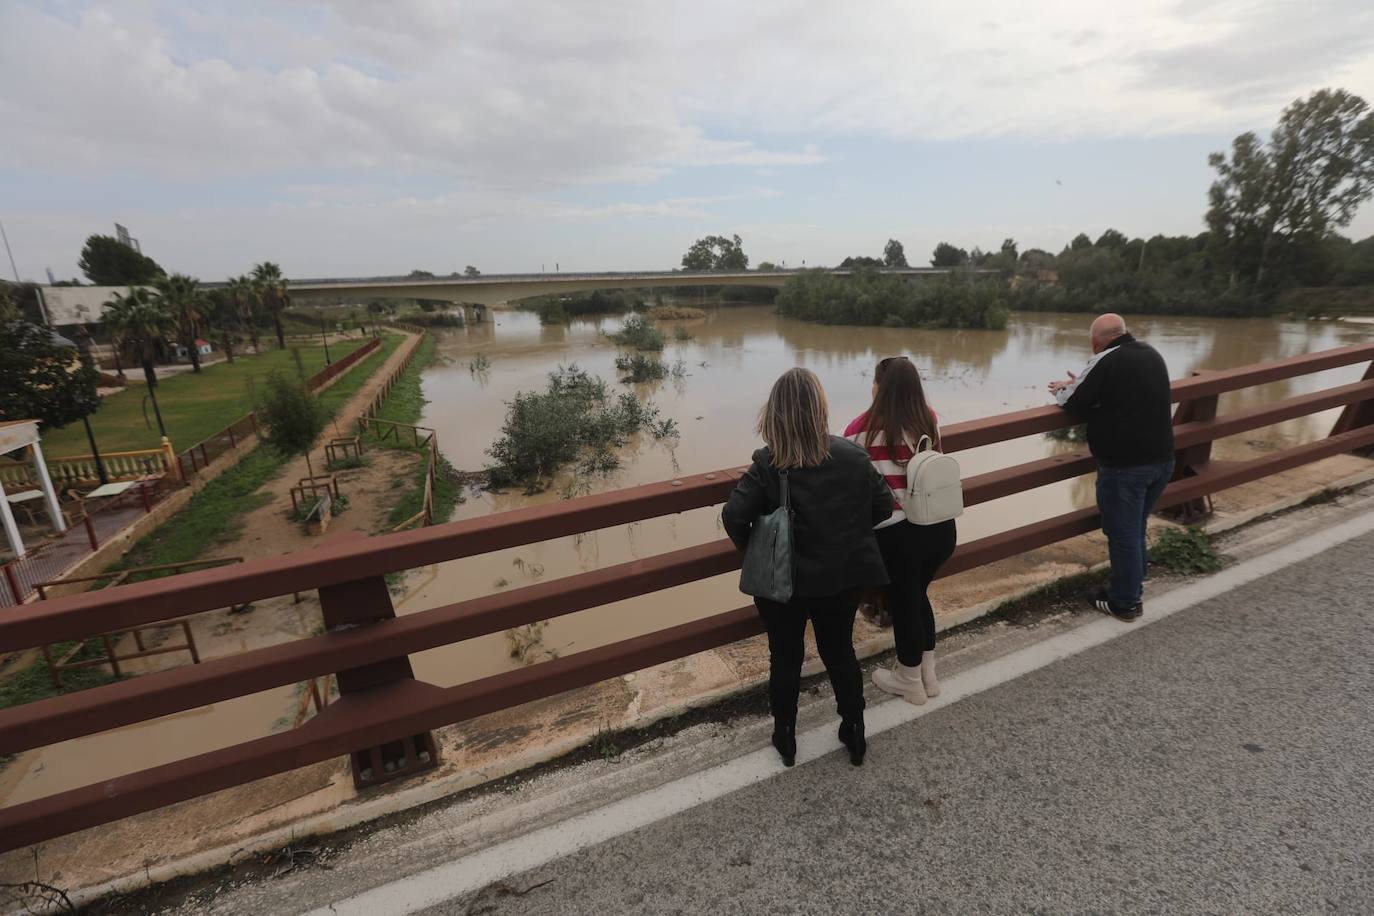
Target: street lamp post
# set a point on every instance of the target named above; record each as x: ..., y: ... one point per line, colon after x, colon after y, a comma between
x: 95, y: 452
x: 324, y: 336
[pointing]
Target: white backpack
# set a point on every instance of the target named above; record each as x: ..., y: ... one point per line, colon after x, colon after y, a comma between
x: 934, y: 492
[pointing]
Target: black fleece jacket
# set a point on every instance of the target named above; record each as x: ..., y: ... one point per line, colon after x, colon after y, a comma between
x: 835, y: 506
x: 1123, y: 394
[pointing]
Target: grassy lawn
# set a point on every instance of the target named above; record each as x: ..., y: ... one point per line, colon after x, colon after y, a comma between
x: 215, y: 515
x: 194, y: 407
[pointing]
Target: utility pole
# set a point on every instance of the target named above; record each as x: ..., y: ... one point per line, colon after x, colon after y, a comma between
x: 324, y: 336
x: 10, y: 253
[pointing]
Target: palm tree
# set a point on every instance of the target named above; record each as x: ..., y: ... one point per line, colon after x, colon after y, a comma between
x: 271, y: 289
x: 243, y: 294
x: 222, y: 317
x: 140, y: 318
x: 185, y: 303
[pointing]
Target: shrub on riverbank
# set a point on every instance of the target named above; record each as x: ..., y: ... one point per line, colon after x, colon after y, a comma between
x: 574, y: 420
x: 639, y: 333
x: 868, y: 297
x: 675, y: 312
x: 640, y: 368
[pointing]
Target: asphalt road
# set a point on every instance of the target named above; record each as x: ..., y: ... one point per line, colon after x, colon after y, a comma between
x: 1218, y: 761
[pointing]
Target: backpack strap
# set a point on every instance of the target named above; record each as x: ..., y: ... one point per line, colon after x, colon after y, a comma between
x: 924, y: 444
x: 782, y: 485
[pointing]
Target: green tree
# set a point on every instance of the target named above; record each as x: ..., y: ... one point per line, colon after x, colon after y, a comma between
x: 894, y: 255
x: 44, y: 376
x: 1357, y: 266
x: 1111, y: 239
x: 270, y: 287
x: 292, y: 416
x: 223, y: 319
x: 1080, y: 242
x: 106, y: 261
x: 138, y: 319
x: 716, y: 252
x: 244, y: 297
x: 9, y: 309
x: 471, y: 271
x: 946, y: 255
x: 1308, y: 180
x: 859, y: 260
x: 419, y: 275
x: 184, y: 301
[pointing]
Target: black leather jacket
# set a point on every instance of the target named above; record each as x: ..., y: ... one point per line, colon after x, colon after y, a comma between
x: 835, y: 506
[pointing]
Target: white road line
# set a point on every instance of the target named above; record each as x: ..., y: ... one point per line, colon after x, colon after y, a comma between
x: 462, y: 876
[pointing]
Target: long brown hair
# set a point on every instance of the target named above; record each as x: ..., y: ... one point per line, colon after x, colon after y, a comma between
x: 795, y: 422
x: 899, y: 409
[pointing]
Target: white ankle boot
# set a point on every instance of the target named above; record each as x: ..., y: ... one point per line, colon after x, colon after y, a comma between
x: 902, y: 681
x: 928, y: 679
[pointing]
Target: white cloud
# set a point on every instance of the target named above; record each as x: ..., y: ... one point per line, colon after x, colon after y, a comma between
x: 512, y: 91
x: 435, y: 124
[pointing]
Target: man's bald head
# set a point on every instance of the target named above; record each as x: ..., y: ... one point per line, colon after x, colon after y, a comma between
x: 1105, y: 329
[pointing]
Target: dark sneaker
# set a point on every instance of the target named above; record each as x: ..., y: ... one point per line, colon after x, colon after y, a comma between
x: 1108, y: 607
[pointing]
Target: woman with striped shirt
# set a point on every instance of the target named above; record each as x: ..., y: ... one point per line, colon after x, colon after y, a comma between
x: 912, y: 553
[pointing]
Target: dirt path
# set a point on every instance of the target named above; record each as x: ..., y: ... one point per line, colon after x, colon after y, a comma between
x: 269, y: 531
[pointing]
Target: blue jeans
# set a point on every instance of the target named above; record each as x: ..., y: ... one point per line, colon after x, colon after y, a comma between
x: 1125, y: 497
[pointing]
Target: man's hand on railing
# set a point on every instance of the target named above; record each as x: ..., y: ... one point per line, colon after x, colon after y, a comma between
x: 1059, y: 385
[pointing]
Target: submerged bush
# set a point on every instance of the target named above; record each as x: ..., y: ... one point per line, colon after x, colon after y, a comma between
x: 868, y: 297
x: 639, y: 333
x: 640, y: 368
x: 574, y: 420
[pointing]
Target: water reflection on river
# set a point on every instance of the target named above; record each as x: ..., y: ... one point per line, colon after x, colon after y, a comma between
x: 732, y: 360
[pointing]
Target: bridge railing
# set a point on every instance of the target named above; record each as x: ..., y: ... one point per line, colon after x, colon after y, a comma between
x: 314, y: 283
x: 383, y: 713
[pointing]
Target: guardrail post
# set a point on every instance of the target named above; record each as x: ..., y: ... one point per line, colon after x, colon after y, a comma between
x: 1191, y: 461
x: 362, y: 602
x: 1357, y: 415
x: 13, y: 580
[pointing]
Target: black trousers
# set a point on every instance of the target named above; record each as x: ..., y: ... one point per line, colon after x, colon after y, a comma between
x: 913, y: 554
x: 832, y: 619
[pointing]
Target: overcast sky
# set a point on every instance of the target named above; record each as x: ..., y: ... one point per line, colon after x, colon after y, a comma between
x: 355, y: 137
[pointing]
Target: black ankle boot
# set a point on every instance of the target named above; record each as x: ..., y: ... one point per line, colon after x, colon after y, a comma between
x: 785, y: 740
x: 852, y: 737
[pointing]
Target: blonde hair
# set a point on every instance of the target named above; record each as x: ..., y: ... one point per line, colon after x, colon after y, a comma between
x: 795, y: 422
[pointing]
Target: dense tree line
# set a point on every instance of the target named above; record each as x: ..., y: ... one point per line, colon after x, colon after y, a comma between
x: 869, y: 297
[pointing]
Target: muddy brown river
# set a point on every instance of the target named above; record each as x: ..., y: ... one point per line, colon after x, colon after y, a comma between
x: 735, y: 354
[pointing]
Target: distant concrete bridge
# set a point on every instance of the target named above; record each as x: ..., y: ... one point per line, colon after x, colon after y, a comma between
x: 491, y: 289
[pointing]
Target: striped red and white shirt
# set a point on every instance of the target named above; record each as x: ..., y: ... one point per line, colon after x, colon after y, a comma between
x: 886, y: 460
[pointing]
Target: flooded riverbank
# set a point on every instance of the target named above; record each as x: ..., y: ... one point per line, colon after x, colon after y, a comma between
x: 727, y: 367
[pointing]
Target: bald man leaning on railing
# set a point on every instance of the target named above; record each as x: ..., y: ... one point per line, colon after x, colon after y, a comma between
x: 1123, y: 395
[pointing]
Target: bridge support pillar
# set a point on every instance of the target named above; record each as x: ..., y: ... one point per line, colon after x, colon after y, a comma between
x: 363, y: 602
x: 1356, y: 416
x: 1193, y: 460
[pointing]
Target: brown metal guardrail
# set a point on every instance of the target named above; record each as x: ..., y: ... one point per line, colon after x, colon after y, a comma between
x: 385, y: 712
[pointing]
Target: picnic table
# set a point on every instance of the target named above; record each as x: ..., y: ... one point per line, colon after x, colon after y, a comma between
x: 111, y: 489
x: 18, y: 499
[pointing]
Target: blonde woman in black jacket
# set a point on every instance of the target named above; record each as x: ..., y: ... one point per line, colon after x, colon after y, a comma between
x: 836, y: 497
